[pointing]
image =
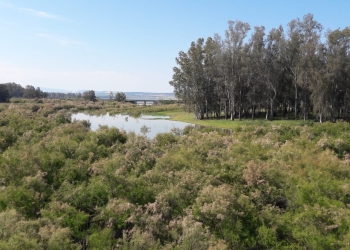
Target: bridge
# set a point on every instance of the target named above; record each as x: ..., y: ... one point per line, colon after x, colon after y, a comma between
x: 142, y: 102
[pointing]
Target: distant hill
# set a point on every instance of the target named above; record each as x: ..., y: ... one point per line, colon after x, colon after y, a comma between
x: 129, y: 95
x: 54, y: 90
x: 139, y: 95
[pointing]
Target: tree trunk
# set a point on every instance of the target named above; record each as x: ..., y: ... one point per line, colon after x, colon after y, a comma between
x: 271, y: 111
x: 296, y: 102
x: 232, y: 109
x: 206, y: 108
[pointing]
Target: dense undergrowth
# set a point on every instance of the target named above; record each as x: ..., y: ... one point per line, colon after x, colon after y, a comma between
x: 268, y: 186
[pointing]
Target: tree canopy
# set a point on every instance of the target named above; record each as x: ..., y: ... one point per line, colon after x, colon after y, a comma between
x: 16, y: 90
x: 120, y: 97
x: 291, y: 72
x: 4, y: 93
x: 89, y: 95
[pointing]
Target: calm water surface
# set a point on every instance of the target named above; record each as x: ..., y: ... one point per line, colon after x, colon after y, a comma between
x: 155, y: 124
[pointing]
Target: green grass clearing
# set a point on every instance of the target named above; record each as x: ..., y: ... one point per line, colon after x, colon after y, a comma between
x: 180, y: 115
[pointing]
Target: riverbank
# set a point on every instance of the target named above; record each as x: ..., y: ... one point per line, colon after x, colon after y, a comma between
x: 181, y: 115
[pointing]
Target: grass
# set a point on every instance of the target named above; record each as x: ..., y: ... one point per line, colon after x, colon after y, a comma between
x: 180, y: 115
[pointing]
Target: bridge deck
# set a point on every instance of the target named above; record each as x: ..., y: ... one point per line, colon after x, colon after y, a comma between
x: 142, y: 102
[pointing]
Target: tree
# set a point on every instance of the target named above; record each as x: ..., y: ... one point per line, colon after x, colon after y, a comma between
x: 29, y: 92
x: 4, y: 93
x: 189, y: 79
x: 274, y: 69
x: 212, y: 101
x: 310, y: 31
x: 89, y: 95
x: 289, y: 72
x: 15, y: 90
x: 256, y: 80
x: 111, y: 95
x: 319, y: 86
x: 300, y: 57
x: 337, y: 72
x: 235, y: 35
x: 120, y: 97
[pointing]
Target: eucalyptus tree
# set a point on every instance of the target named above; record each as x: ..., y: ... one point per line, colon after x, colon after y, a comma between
x: 291, y: 70
x: 320, y: 84
x: 292, y: 60
x: 29, y: 92
x: 15, y: 90
x: 40, y: 94
x: 243, y: 83
x: 310, y: 31
x: 273, y: 66
x: 338, y: 71
x: 300, y: 58
x: 198, y: 78
x: 180, y: 80
x: 212, y: 76
x: 255, y: 80
x: 189, y: 79
x: 221, y: 90
x: 234, y: 38
x: 4, y: 93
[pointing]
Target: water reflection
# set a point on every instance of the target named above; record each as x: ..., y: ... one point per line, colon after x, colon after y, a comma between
x: 154, y: 124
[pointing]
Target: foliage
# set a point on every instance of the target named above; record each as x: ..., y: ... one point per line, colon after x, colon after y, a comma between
x: 262, y: 186
x: 32, y: 92
x: 289, y: 73
x: 89, y: 96
x: 4, y: 93
x: 120, y: 97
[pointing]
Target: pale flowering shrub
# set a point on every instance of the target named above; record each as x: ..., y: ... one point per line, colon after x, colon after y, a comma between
x: 277, y: 128
x: 259, y: 130
x: 139, y: 240
x: 264, y: 142
x: 9, y: 219
x: 253, y: 173
x: 214, y: 202
x: 116, y: 215
x: 189, y: 233
x: 324, y: 142
x: 339, y: 146
x: 60, y: 239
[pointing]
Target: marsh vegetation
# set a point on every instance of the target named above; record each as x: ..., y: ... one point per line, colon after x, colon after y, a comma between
x: 264, y: 186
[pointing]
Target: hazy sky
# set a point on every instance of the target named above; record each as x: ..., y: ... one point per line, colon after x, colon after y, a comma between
x: 128, y: 45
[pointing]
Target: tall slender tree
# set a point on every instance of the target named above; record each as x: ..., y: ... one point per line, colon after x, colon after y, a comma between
x: 257, y: 68
x: 234, y: 38
x: 274, y: 67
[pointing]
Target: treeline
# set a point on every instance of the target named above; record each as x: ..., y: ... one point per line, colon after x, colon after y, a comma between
x: 11, y: 89
x: 293, y: 73
x: 61, y: 95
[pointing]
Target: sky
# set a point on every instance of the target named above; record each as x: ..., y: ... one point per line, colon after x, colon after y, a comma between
x: 128, y: 45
